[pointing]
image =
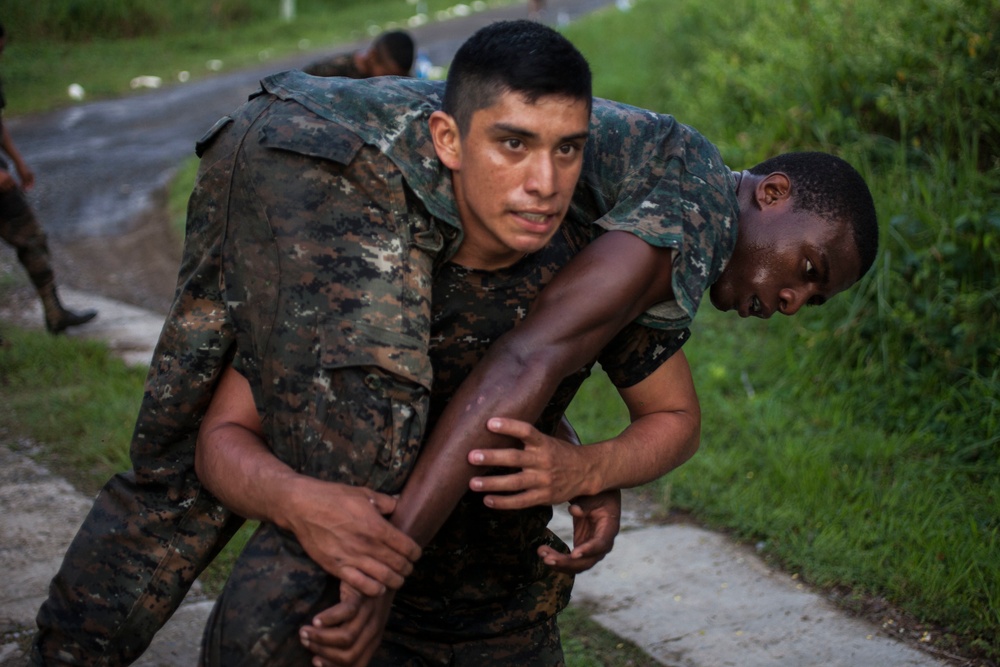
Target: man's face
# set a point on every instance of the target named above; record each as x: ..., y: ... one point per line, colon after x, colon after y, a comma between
x: 380, y: 63
x: 514, y: 173
x: 785, y: 260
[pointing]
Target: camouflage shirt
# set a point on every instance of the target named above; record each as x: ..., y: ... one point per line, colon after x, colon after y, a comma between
x: 481, y: 575
x: 338, y: 65
x: 643, y: 173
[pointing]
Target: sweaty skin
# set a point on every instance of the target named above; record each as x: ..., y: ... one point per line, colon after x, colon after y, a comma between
x: 576, y: 315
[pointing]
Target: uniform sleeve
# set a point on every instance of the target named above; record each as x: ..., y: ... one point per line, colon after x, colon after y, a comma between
x: 637, y: 351
x: 656, y: 178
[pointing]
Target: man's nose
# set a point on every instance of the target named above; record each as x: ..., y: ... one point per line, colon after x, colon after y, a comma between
x: 791, y: 299
x: 542, y: 176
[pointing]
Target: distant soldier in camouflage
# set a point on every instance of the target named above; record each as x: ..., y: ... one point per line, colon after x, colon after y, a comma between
x: 20, y: 228
x: 390, y: 54
x: 153, y: 529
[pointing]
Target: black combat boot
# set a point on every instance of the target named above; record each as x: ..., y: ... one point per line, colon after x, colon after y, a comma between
x: 58, y: 318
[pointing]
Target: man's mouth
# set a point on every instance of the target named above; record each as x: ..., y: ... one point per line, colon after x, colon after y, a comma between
x: 544, y: 219
x: 535, y: 217
x: 754, y: 308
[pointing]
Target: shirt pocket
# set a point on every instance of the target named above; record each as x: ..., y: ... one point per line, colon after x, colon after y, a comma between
x: 372, y: 396
x: 306, y: 134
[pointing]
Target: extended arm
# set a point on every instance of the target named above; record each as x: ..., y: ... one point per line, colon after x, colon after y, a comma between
x: 663, y: 434
x: 25, y: 174
x: 610, y: 283
x: 340, y: 526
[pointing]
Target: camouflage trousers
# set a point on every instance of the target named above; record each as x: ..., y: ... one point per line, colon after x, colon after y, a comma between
x: 153, y: 529
x: 20, y: 229
x: 327, y: 279
x: 534, y: 646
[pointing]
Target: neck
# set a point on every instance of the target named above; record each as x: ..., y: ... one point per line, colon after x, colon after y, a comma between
x: 738, y: 179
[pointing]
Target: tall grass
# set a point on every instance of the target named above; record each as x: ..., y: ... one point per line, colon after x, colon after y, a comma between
x: 859, y: 442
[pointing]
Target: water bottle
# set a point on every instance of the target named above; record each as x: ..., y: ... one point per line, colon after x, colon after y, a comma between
x: 423, y: 65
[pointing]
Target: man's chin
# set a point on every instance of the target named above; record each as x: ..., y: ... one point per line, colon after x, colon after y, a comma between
x: 717, y: 300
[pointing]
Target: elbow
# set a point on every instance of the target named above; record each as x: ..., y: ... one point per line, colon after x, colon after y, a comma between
x: 200, y: 465
x: 694, y: 437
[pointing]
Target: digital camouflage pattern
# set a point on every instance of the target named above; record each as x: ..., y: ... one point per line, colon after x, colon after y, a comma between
x: 537, y: 645
x: 327, y: 267
x: 153, y: 529
x: 481, y: 576
x: 647, y: 174
x: 338, y: 65
x: 20, y: 228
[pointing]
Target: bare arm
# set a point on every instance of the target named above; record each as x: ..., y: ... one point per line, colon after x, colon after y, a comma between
x: 341, y: 527
x: 664, y: 433
x: 591, y: 299
x: 25, y: 174
x: 606, y: 286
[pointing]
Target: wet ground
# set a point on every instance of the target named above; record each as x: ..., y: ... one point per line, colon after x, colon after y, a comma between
x: 101, y: 167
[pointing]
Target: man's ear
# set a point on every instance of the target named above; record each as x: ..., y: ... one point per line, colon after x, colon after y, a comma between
x: 774, y: 189
x: 447, y: 141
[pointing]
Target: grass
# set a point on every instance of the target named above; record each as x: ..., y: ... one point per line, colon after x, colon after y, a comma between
x: 73, y: 396
x: 38, y: 72
x: 857, y: 443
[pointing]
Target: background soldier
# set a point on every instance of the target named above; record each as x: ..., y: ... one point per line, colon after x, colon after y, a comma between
x: 391, y: 54
x: 20, y: 228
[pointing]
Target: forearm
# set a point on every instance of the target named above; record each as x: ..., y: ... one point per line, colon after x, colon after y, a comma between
x: 649, y: 448
x: 239, y: 469
x: 7, y: 144
x: 506, y: 382
x: 614, y: 280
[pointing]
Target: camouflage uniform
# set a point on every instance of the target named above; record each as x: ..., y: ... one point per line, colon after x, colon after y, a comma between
x: 480, y: 594
x: 339, y: 65
x: 153, y: 529
x: 20, y: 228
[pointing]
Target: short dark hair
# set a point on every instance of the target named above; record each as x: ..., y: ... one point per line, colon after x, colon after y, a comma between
x: 831, y: 188
x: 519, y: 56
x: 398, y: 45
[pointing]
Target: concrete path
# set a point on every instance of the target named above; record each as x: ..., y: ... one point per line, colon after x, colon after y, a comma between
x: 687, y: 596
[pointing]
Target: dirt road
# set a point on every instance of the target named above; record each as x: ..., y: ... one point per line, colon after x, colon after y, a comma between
x: 101, y: 168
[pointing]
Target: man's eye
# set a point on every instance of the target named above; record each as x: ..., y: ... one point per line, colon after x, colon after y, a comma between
x: 513, y: 144
x: 811, y: 270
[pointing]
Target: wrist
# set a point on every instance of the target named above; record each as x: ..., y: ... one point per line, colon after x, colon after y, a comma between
x: 592, y: 481
x: 285, y: 499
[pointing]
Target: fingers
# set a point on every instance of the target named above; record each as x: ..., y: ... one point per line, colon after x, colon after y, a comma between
x: 568, y: 563
x: 370, y: 585
x: 515, y: 428
x: 385, y: 504
x: 517, y: 501
x: 503, y: 458
x: 349, y: 530
x: 396, y: 539
x: 352, y: 643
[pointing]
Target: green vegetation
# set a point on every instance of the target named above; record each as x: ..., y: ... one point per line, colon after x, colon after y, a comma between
x: 859, y: 442
x: 103, y: 45
x: 73, y: 396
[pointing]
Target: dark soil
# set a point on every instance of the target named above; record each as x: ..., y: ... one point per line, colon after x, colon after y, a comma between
x: 138, y: 267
